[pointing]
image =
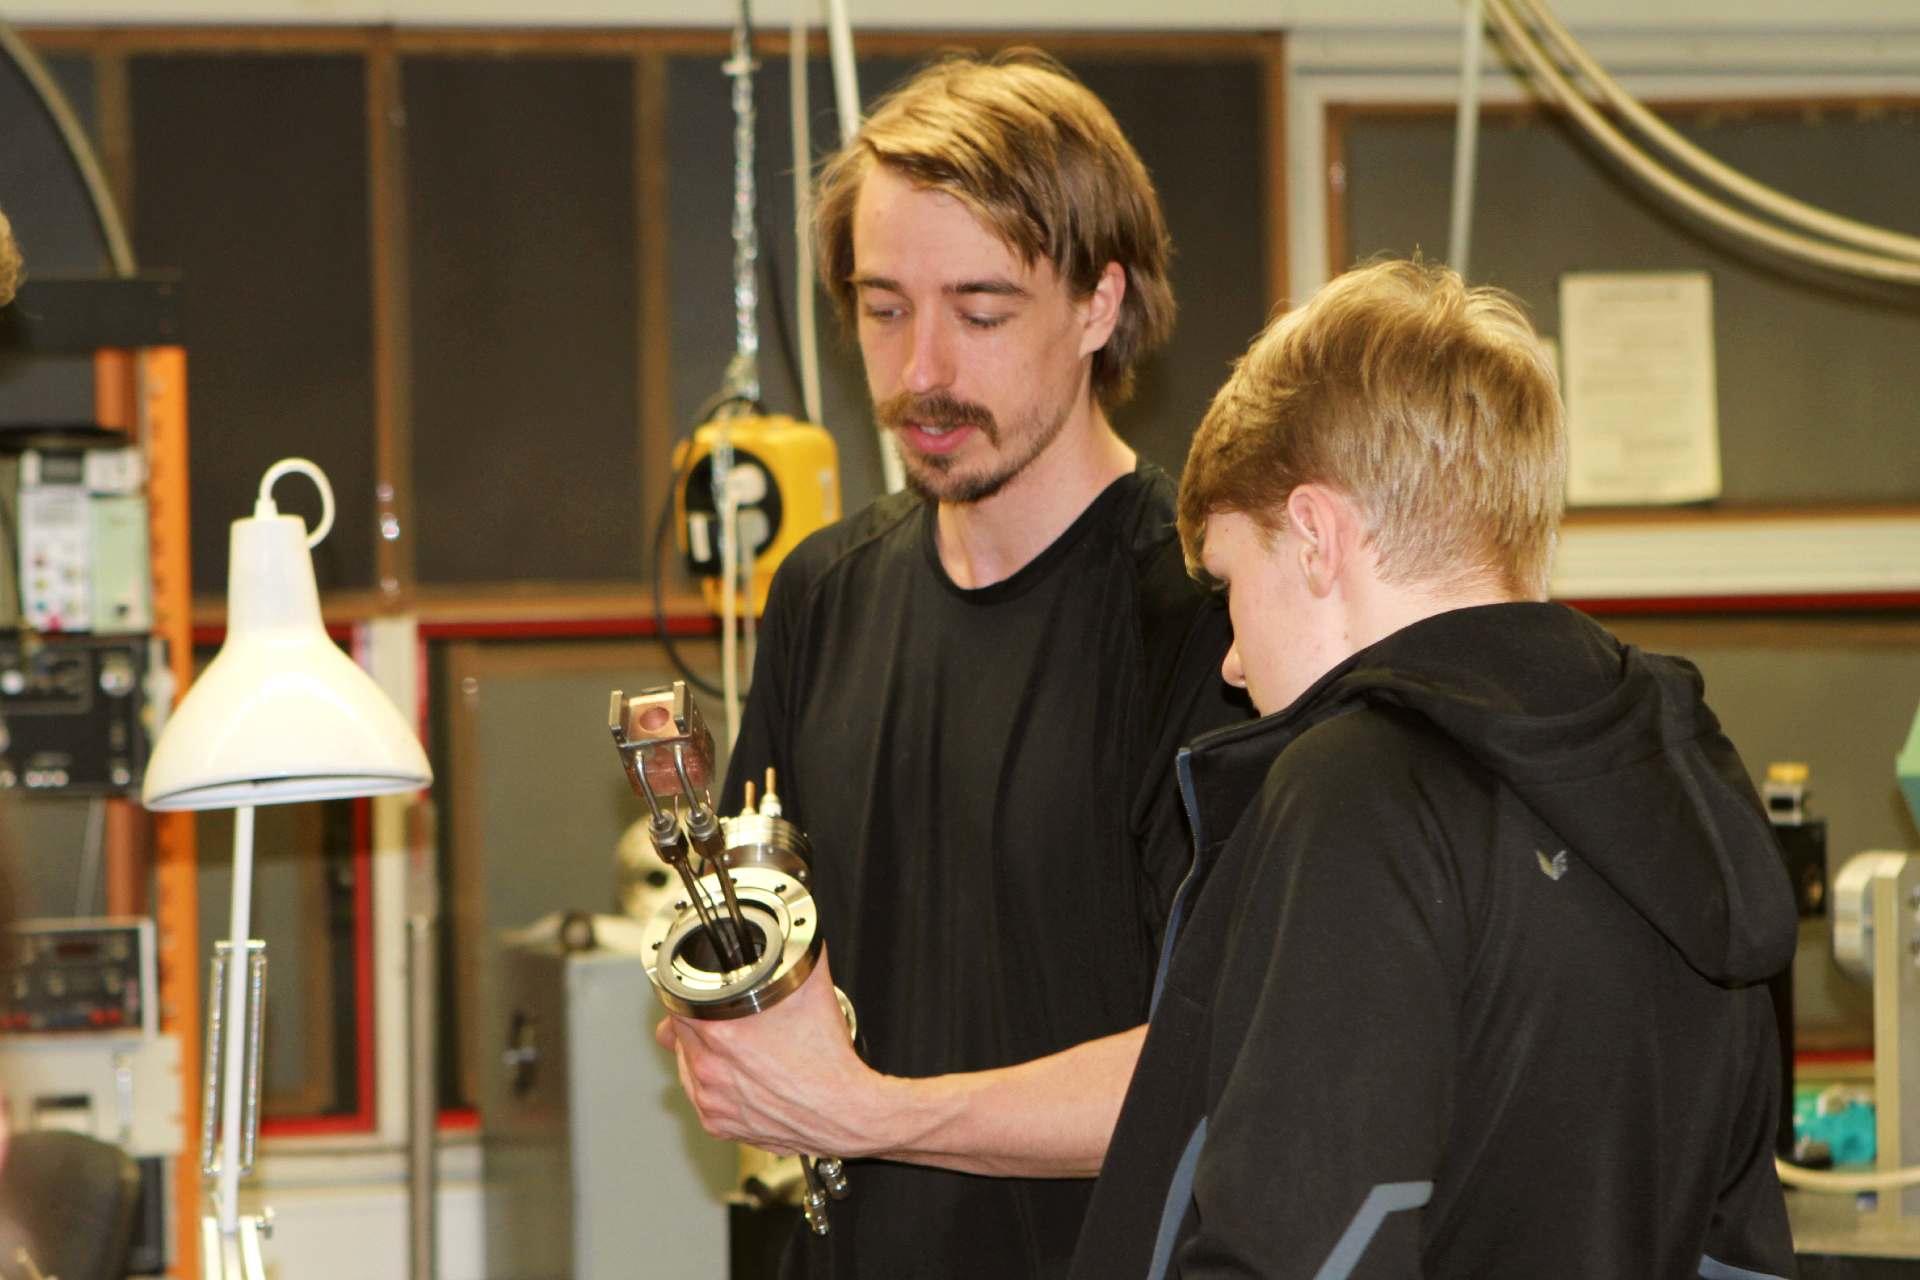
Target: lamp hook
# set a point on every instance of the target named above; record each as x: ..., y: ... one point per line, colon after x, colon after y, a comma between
x: 263, y: 506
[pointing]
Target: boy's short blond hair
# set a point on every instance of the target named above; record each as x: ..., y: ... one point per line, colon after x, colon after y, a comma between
x: 1433, y: 406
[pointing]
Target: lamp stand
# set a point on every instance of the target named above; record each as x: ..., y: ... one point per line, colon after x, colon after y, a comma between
x: 279, y: 716
x: 423, y: 1104
x: 236, y: 1016
x: 227, y: 1198
x: 423, y: 1025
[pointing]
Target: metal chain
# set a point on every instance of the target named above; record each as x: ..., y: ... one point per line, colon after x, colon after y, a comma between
x: 743, y: 373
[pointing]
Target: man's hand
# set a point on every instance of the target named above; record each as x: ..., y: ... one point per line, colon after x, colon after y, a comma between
x: 786, y: 1079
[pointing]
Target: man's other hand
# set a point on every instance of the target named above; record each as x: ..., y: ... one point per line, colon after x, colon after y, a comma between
x: 785, y: 1079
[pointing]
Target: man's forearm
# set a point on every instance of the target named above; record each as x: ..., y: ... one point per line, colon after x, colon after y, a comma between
x: 787, y: 1079
x: 1048, y: 1118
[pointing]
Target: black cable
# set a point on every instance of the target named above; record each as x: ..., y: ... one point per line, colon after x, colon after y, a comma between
x: 659, y: 595
x: 713, y: 405
x: 776, y: 298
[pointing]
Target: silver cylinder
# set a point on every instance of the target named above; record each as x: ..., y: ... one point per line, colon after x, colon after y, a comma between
x: 767, y: 840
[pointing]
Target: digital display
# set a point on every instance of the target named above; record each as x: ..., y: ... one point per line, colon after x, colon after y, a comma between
x: 80, y: 975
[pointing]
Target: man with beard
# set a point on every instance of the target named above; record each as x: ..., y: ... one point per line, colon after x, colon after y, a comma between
x: 972, y: 693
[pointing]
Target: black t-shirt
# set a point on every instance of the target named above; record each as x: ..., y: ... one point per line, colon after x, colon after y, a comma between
x: 986, y: 777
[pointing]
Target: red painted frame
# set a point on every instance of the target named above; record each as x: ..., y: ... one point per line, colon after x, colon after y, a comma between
x: 1817, y: 1058
x: 364, y: 1117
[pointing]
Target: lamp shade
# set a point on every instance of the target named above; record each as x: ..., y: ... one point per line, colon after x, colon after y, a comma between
x: 281, y: 714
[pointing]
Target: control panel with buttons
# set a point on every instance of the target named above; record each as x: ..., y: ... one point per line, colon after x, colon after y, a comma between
x: 55, y: 541
x: 73, y: 713
x: 83, y: 975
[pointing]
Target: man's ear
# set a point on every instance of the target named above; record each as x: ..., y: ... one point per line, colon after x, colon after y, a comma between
x: 1100, y: 309
x: 1328, y: 531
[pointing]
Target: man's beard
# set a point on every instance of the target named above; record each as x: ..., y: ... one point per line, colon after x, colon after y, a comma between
x: 932, y: 477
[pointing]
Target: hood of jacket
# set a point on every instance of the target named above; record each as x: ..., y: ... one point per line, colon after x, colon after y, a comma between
x: 1612, y: 747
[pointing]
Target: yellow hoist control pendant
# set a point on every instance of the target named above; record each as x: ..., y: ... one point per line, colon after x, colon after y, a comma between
x: 785, y: 481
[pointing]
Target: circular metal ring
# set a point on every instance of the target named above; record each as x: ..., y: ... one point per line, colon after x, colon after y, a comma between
x: 679, y: 954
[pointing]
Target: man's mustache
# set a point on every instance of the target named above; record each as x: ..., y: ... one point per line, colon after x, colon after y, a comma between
x: 937, y: 409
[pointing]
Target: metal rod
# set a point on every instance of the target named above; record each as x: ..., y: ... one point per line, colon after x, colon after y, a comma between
x: 423, y: 1109
x: 256, y: 1028
x: 744, y: 951
x: 233, y: 1064
x: 698, y: 896
x: 805, y: 291
x: 696, y: 800
x: 846, y: 71
x: 661, y: 821
x: 703, y: 824
x: 210, y: 1064
x: 814, y: 1203
x: 846, y: 98
x: 252, y: 1265
x: 1466, y: 138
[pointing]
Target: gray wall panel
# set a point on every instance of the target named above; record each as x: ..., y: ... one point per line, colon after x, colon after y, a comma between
x: 1818, y: 380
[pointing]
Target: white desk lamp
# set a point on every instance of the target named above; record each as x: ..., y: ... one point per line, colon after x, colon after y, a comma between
x: 280, y: 716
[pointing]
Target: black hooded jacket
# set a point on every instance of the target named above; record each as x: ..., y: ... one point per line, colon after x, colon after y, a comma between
x: 1462, y: 982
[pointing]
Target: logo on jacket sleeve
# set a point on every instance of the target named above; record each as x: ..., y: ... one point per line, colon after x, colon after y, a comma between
x: 1552, y: 868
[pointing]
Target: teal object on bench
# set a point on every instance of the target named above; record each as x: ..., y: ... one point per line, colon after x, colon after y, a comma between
x: 1839, y: 1117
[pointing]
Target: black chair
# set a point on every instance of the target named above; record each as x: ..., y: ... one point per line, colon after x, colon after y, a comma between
x: 69, y: 1200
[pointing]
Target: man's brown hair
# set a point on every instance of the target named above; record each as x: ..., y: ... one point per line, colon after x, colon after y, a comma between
x: 11, y: 266
x: 1038, y: 159
x: 1434, y: 407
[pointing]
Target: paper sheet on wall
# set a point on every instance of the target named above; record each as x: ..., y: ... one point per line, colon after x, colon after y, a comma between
x: 1642, y: 421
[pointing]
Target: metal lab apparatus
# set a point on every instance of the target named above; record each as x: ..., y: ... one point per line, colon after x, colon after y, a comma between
x: 744, y: 932
x: 82, y: 1052
x: 1875, y: 903
x: 596, y: 1167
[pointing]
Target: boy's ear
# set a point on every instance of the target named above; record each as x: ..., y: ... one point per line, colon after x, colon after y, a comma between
x: 1328, y: 534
